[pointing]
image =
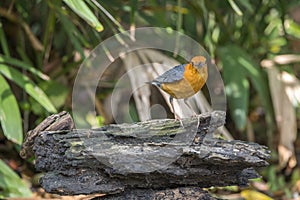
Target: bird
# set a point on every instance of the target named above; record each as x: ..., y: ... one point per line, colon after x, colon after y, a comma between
x: 183, y: 81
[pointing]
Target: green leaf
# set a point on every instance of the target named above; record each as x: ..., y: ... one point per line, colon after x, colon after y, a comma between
x: 11, y: 184
x: 56, y: 92
x: 23, y: 65
x: 238, y: 92
x: 10, y: 117
x: 23, y: 55
x: 24, y: 82
x: 234, y: 57
x: 292, y: 28
x: 80, y: 7
x: 259, y: 81
x: 247, y: 5
x: 237, y: 87
x: 133, y: 10
x: 235, y: 7
x: 3, y: 41
x: 70, y: 29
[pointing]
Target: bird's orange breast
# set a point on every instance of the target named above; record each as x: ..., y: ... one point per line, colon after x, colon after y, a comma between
x: 191, y: 82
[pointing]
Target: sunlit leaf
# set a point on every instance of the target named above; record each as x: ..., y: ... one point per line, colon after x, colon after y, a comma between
x: 108, y: 15
x: 23, y: 65
x: 234, y: 56
x: 237, y: 88
x: 10, y: 183
x: 292, y: 28
x: 24, y: 82
x: 10, y: 117
x: 80, y: 7
x: 252, y: 194
x: 235, y: 7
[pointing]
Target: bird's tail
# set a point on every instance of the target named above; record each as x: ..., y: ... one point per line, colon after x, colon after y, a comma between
x: 154, y: 83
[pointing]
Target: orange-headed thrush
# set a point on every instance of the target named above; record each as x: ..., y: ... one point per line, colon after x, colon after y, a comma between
x: 184, y: 80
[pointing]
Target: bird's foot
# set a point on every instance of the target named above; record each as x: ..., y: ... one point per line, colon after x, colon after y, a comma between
x: 195, y: 115
x: 177, y: 118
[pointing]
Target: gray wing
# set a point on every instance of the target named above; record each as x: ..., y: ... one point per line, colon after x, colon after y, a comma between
x: 174, y: 74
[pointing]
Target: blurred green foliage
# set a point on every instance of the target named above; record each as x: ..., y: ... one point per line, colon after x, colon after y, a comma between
x: 11, y: 184
x: 44, y: 42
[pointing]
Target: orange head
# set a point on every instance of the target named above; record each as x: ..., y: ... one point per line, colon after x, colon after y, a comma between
x: 198, y: 61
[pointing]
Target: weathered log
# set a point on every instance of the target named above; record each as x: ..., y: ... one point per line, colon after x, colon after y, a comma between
x: 60, y: 121
x: 189, y: 193
x: 155, y: 154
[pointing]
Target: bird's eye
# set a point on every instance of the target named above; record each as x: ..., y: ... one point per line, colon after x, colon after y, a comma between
x: 201, y: 64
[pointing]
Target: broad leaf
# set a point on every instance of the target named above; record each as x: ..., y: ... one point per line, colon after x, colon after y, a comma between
x: 24, y: 82
x: 237, y: 87
x: 23, y: 65
x: 11, y: 184
x: 3, y: 41
x: 239, y: 66
x: 74, y: 35
x: 80, y: 7
x: 10, y: 117
x: 56, y: 92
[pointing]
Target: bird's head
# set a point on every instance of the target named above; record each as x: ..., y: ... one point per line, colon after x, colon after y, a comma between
x: 198, y: 61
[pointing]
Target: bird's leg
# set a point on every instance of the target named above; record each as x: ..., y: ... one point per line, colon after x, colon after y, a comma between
x: 190, y: 107
x: 173, y: 109
x: 177, y: 117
